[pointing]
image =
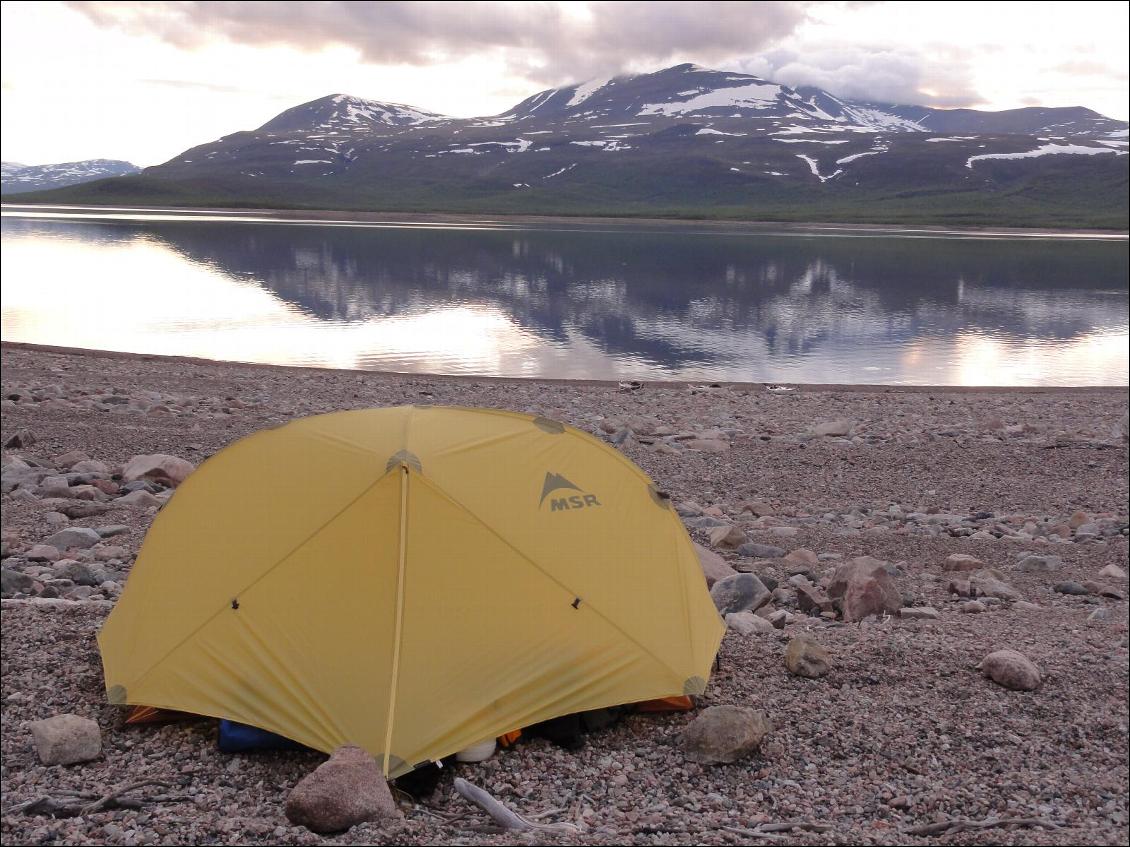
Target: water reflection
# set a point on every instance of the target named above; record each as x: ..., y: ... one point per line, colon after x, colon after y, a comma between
x: 649, y: 304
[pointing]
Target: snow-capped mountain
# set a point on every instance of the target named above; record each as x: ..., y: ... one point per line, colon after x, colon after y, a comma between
x: 683, y: 140
x: 341, y: 112
x: 19, y: 178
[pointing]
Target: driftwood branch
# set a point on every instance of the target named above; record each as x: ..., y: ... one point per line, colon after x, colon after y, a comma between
x: 954, y: 826
x: 504, y: 817
x: 768, y: 831
x: 72, y: 804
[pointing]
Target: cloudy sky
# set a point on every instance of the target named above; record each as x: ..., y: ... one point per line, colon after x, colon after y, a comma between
x: 143, y: 81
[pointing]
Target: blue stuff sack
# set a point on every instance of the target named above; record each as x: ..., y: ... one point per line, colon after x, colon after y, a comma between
x: 241, y: 738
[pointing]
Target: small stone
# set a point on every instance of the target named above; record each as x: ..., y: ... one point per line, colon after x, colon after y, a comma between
x: 66, y: 739
x: 962, y: 562
x: 805, y: 657
x: 76, y: 536
x: 1112, y: 572
x: 755, y: 550
x: 1073, y: 588
x: 990, y: 583
x: 340, y: 793
x: 747, y: 623
x: 727, y: 537
x: 15, y: 582
x: 23, y: 438
x: 42, y: 553
x: 757, y: 508
x: 69, y: 459
x: 1038, y: 563
x: 723, y: 734
x: 1078, y: 519
x: 834, y: 428
x: 111, y: 530
x: 973, y: 607
x: 739, y: 593
x: 158, y: 467
x: 139, y: 497
x: 1012, y: 670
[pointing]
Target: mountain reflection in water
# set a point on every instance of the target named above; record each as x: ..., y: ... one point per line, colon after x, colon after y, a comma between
x: 554, y: 303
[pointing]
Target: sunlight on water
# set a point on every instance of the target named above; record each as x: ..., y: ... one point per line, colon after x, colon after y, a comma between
x: 650, y: 305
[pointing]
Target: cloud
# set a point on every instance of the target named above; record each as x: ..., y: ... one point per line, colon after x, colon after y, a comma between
x: 546, y: 42
x: 937, y: 77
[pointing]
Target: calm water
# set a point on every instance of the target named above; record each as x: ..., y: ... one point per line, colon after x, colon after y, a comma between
x: 577, y: 301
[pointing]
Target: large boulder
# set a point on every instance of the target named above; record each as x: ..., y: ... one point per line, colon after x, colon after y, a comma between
x: 739, y: 593
x: 1012, y: 670
x: 723, y: 734
x: 714, y: 567
x: 340, y: 793
x: 864, y: 587
x: 158, y: 467
x: 66, y: 739
x: 75, y: 536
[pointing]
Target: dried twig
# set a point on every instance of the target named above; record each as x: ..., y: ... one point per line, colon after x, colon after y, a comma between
x: 69, y: 803
x: 504, y: 817
x: 753, y: 833
x: 953, y: 826
x: 789, y: 826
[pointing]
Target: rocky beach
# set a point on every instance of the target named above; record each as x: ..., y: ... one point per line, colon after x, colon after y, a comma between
x: 932, y: 635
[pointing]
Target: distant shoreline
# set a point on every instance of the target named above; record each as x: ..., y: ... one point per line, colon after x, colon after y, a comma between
x: 735, y: 225
x: 517, y: 380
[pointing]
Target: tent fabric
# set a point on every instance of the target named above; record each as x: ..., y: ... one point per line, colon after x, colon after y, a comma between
x: 411, y: 580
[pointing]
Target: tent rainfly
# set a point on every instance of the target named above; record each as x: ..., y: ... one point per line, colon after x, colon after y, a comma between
x: 411, y: 580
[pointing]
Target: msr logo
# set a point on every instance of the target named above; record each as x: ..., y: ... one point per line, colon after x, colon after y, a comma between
x: 556, y: 482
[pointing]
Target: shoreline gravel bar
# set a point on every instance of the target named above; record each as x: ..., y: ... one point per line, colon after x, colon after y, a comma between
x: 902, y: 732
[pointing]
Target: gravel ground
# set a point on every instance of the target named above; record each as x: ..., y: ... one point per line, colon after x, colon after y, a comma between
x: 904, y: 730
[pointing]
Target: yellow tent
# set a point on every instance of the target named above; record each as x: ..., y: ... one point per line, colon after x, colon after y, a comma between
x: 411, y: 580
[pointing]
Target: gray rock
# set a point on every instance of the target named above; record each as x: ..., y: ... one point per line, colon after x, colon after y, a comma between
x: 1038, y: 563
x: 1112, y: 572
x: 75, y: 536
x: 989, y: 583
x: 707, y: 445
x: 739, y: 593
x: 340, y: 793
x: 15, y: 582
x: 727, y: 537
x: 1069, y: 587
x: 76, y: 572
x: 158, y: 467
x: 705, y: 522
x: 747, y: 623
x: 54, y: 486
x: 23, y: 438
x: 42, y: 553
x: 836, y: 428
x: 723, y: 734
x: 754, y: 550
x: 66, y: 739
x: 111, y: 530
x: 805, y: 657
x: 1011, y: 670
x: 140, y: 497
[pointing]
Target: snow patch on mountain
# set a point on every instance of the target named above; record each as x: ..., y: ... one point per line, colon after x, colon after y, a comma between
x: 1047, y: 150
x: 754, y: 95
x: 586, y: 90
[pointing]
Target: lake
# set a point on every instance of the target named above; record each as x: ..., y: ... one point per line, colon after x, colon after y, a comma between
x: 590, y: 300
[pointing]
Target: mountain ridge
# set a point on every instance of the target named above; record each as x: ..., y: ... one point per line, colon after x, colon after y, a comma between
x: 683, y: 141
